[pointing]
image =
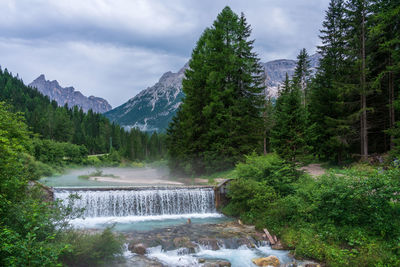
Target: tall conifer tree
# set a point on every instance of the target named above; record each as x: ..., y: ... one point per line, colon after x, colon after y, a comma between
x: 302, y: 74
x: 220, y: 118
x: 288, y: 134
x: 358, y: 12
x: 331, y: 129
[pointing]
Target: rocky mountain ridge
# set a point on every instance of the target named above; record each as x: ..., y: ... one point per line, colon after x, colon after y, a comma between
x: 68, y: 95
x: 153, y: 108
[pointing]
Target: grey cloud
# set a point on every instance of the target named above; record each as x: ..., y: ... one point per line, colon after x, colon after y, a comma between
x: 115, y: 48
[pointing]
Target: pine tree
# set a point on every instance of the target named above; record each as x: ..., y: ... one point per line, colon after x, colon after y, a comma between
x: 358, y: 12
x: 288, y: 133
x: 385, y: 41
x: 330, y: 118
x: 220, y: 118
x: 302, y: 74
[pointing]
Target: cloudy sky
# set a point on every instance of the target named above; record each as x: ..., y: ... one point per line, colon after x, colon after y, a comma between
x: 116, y: 48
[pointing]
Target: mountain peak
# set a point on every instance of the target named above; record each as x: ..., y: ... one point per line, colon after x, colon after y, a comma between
x: 69, y: 96
x: 40, y: 78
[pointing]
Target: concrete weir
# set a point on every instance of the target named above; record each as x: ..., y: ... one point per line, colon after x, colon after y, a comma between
x: 140, y: 201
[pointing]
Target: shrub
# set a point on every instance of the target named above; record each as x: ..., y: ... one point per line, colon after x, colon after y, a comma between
x: 248, y: 199
x: 270, y: 169
x: 49, y: 151
x: 91, y: 249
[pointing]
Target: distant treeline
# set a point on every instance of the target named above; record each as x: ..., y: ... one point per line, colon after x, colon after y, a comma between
x: 92, y: 131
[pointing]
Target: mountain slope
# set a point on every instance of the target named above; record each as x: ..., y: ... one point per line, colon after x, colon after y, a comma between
x: 276, y: 71
x: 69, y: 96
x: 153, y: 108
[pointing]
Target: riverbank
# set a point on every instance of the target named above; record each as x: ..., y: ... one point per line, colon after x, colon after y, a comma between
x: 346, y: 217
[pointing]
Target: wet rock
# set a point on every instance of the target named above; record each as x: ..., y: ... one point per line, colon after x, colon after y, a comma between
x: 278, y: 246
x: 201, y: 260
x: 268, y: 261
x: 138, y: 248
x: 167, y: 244
x: 208, y: 242
x: 181, y: 241
x: 312, y: 265
x: 218, y: 263
x: 139, y: 261
x: 184, y: 242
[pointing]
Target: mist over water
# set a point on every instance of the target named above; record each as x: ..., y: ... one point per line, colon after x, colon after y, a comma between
x: 112, y: 176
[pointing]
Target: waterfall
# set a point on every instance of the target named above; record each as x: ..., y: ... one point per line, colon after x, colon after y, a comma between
x: 147, y: 202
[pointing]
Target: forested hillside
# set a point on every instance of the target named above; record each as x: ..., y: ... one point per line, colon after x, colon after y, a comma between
x: 348, y: 111
x: 90, y: 130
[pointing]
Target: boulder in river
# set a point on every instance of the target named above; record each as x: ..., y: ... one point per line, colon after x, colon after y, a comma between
x: 184, y: 242
x: 218, y: 263
x: 267, y: 261
x: 138, y: 248
x: 210, y: 243
x: 278, y: 246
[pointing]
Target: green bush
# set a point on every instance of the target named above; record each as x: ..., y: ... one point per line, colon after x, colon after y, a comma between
x: 92, y: 161
x: 49, y: 151
x: 261, y: 180
x: 271, y: 169
x: 91, y: 249
x: 347, y: 219
x: 248, y: 199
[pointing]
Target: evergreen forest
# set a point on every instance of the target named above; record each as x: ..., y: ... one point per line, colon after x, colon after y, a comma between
x: 63, y: 132
x: 347, y: 111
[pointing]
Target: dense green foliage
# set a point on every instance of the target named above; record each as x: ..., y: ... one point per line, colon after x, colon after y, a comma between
x: 71, y: 125
x: 344, y: 220
x: 271, y: 169
x: 32, y: 228
x: 26, y: 229
x: 49, y: 151
x: 220, y: 118
x: 260, y: 180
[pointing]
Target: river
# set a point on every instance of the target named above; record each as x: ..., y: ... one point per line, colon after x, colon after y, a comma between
x: 151, y: 208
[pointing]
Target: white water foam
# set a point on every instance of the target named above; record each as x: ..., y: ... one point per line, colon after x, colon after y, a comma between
x: 240, y: 257
x: 151, y: 202
x: 172, y: 257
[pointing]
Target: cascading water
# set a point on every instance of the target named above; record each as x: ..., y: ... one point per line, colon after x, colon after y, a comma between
x: 148, y: 202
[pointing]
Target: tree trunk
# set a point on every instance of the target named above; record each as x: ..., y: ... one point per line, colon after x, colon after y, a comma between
x: 265, y: 145
x: 391, y: 106
x: 364, y: 127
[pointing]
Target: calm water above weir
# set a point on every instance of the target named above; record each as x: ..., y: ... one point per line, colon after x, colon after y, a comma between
x: 113, y: 176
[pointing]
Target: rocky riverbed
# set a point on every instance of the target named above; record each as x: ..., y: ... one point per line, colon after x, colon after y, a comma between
x: 210, y: 245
